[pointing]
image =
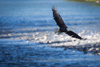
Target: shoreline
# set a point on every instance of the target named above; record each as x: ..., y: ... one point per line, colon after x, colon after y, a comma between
x: 97, y: 2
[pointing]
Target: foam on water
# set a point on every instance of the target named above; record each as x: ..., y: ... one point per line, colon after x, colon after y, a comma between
x: 63, y: 39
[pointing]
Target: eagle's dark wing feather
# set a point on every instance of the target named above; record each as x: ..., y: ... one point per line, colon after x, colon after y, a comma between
x: 62, y: 25
x: 58, y: 19
x: 73, y: 34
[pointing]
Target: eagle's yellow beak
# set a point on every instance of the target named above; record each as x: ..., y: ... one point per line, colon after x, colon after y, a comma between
x: 70, y: 29
x: 58, y: 31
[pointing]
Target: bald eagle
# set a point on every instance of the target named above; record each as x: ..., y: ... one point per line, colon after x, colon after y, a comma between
x: 62, y: 26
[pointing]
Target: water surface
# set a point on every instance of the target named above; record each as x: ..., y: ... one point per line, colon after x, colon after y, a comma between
x: 27, y: 26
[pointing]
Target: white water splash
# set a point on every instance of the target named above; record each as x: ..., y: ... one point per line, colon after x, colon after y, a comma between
x: 54, y: 39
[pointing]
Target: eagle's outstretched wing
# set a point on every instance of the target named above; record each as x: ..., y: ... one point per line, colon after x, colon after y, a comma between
x: 58, y: 19
x: 73, y: 34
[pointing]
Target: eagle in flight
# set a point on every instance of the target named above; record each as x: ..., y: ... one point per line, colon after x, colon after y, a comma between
x: 62, y: 26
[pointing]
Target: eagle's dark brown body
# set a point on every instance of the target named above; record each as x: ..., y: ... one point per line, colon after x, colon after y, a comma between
x: 61, y: 24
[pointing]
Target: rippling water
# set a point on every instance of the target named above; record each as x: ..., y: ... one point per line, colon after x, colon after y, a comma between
x: 27, y: 35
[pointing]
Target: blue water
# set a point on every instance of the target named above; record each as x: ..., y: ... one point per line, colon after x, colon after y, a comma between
x: 18, y: 17
x: 37, y: 13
